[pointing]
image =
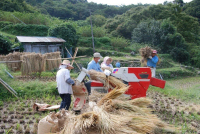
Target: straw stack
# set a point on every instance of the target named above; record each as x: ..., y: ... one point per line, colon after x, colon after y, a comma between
x: 33, y: 63
x: 145, y: 53
x: 13, y: 57
x: 53, y: 64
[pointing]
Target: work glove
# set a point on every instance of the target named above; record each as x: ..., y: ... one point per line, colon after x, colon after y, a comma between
x: 107, y: 72
x: 150, y: 57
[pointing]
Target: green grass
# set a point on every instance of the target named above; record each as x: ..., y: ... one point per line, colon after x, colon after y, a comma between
x: 10, y: 36
x: 186, y: 89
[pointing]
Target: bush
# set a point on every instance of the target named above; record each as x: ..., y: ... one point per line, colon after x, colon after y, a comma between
x: 86, y: 31
x: 98, y: 42
x: 119, y: 43
x: 180, y: 55
x: 97, y: 20
x: 26, y: 30
x: 174, y: 73
x: 5, y: 45
x: 4, y: 23
x: 89, y: 52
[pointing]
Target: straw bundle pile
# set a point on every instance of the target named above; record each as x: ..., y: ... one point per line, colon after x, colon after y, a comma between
x: 112, y: 116
x: 145, y: 53
x: 53, y: 64
x: 13, y: 57
x: 33, y: 63
x: 2, y: 58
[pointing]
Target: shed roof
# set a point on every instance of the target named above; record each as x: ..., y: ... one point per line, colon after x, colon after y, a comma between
x: 38, y: 39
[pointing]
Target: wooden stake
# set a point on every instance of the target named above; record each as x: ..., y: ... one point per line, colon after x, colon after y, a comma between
x: 74, y: 61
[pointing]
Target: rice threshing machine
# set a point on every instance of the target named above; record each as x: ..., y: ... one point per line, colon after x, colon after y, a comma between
x: 138, y: 78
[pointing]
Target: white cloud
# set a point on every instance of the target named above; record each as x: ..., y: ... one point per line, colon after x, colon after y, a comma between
x: 128, y: 2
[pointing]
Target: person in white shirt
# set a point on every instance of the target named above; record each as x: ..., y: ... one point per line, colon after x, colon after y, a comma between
x: 106, y: 64
x: 64, y: 84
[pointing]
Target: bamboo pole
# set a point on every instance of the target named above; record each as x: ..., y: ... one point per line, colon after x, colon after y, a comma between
x: 10, y: 61
x: 69, y: 58
x: 74, y: 55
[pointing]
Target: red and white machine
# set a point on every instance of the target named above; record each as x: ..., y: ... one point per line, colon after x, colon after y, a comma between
x: 138, y: 78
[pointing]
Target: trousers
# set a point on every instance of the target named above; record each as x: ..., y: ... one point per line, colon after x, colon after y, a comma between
x: 66, y: 101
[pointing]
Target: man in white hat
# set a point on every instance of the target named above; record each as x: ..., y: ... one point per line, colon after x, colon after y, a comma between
x: 64, y: 84
x: 94, y: 64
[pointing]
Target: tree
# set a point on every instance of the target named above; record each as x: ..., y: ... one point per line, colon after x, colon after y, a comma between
x: 66, y: 32
x: 97, y: 20
x: 5, y: 45
x: 160, y: 34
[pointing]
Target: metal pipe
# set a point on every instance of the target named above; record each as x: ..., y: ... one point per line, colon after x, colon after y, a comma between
x: 8, y: 86
x: 9, y: 74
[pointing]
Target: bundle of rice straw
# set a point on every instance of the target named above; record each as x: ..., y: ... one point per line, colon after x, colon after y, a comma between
x: 113, y: 94
x: 2, y: 58
x: 145, y: 53
x: 53, y: 64
x: 32, y: 63
x: 109, y: 82
x: 13, y: 57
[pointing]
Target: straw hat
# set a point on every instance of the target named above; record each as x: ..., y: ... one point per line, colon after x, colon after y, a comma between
x: 67, y: 62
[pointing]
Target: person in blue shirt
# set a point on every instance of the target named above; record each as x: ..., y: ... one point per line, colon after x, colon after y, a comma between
x: 117, y: 64
x: 152, y: 62
x: 94, y: 64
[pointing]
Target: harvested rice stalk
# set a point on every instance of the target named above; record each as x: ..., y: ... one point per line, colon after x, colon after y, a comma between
x: 145, y: 53
x: 140, y: 102
x: 109, y: 81
x: 81, y: 123
x: 145, y: 124
x: 113, y: 94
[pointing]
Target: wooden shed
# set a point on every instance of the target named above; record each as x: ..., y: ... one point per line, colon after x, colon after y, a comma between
x: 41, y: 44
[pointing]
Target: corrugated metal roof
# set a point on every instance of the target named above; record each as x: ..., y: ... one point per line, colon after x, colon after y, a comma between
x: 39, y: 39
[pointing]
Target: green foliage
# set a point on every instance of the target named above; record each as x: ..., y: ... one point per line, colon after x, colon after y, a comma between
x: 195, y: 56
x: 66, y: 32
x: 97, y: 20
x: 4, y: 23
x: 5, y: 45
x: 119, y: 43
x: 193, y: 9
x: 98, y: 42
x: 15, y: 5
x: 29, y: 18
x: 26, y: 30
x: 85, y: 31
x: 1, y: 103
x: 89, y: 52
x: 76, y: 9
x: 180, y: 55
x: 175, y: 72
x: 162, y: 35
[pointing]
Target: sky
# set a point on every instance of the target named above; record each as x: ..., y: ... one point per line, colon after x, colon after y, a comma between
x: 129, y: 2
